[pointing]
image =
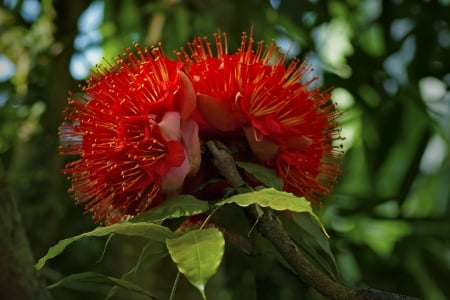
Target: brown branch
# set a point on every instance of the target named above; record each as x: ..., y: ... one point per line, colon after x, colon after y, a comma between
x: 224, y: 162
x: 271, y: 228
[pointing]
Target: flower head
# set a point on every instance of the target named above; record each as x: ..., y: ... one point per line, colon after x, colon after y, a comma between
x: 288, y: 124
x: 132, y: 131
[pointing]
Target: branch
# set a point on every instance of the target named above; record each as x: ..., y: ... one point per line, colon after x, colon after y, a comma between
x: 271, y: 228
x: 224, y: 162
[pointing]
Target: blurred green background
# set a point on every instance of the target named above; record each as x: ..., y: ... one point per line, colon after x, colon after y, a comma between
x: 389, y: 64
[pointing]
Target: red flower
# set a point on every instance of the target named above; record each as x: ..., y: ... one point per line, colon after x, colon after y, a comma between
x: 132, y: 131
x: 288, y: 124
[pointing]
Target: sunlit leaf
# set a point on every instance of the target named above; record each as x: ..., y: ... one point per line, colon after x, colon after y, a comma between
x: 179, y: 206
x: 274, y: 199
x: 100, y: 278
x: 146, y: 230
x: 197, y: 255
x: 266, y: 175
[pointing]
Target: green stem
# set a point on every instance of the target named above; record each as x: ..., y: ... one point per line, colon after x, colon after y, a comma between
x: 209, y: 217
x: 174, y: 286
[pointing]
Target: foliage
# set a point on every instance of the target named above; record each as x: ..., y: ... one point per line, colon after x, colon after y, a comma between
x: 197, y: 252
x: 388, y: 219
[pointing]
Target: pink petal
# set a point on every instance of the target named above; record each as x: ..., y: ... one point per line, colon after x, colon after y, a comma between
x: 173, y: 180
x: 170, y: 126
x: 191, y: 142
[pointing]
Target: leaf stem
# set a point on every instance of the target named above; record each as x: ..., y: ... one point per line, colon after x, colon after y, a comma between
x: 174, y: 286
x: 209, y: 217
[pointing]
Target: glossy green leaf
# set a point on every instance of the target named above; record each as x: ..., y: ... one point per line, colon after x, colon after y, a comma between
x: 146, y: 230
x: 274, y: 199
x: 266, y: 175
x: 179, y: 206
x: 100, y: 278
x: 197, y: 255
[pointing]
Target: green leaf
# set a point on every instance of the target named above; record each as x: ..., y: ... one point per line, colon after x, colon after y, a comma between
x: 266, y: 175
x: 151, y: 253
x: 381, y: 235
x: 274, y: 199
x: 100, y: 278
x: 197, y: 255
x: 308, y: 235
x: 146, y: 230
x: 371, y: 40
x: 179, y: 206
x: 309, y: 227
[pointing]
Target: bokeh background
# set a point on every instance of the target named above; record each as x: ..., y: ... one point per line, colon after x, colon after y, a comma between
x: 389, y: 64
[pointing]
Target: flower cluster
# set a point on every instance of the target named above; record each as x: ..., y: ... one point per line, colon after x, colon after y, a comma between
x: 138, y: 125
x: 131, y: 128
x: 288, y: 125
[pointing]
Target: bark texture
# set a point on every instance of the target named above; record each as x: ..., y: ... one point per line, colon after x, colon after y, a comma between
x: 19, y: 280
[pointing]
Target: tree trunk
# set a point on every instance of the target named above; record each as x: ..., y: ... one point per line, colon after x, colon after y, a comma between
x: 19, y: 280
